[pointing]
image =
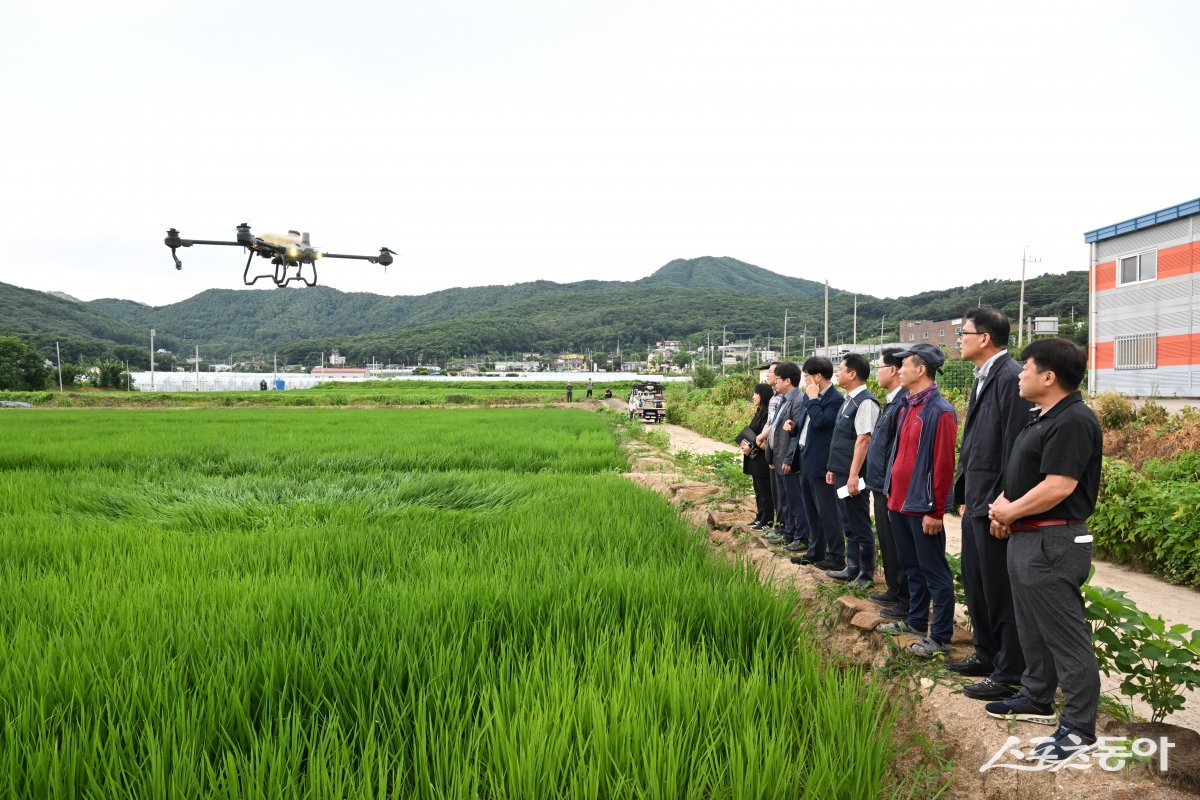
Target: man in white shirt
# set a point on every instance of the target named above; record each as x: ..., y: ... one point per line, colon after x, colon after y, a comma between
x: 847, y: 460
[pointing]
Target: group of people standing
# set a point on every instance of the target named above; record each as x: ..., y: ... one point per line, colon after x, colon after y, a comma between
x: 1025, y: 480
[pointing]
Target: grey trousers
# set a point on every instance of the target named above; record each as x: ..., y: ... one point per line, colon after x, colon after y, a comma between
x: 1047, y: 567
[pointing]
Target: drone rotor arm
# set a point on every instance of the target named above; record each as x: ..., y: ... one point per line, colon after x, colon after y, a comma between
x: 384, y: 257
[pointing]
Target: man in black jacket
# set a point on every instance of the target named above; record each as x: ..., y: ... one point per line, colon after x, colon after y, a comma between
x: 996, y: 413
x: 783, y: 448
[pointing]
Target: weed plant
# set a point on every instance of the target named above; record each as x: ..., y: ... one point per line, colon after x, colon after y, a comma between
x: 390, y: 603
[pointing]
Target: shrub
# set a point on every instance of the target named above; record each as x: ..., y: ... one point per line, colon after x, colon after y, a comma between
x: 705, y: 377
x: 1157, y: 662
x: 1147, y: 522
x: 1152, y: 413
x: 1113, y: 410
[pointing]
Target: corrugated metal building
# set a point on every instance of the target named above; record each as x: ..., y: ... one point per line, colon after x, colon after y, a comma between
x: 1145, y: 304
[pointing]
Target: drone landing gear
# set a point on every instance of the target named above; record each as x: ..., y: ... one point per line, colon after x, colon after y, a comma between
x: 246, y: 274
x: 298, y: 277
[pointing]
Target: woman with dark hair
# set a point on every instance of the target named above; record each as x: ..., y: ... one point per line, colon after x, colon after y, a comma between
x: 754, y: 461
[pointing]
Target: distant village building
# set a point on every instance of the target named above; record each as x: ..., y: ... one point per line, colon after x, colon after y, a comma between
x: 517, y: 366
x: 339, y: 374
x: 1144, y: 331
x: 336, y: 359
x: 569, y: 361
x: 943, y: 333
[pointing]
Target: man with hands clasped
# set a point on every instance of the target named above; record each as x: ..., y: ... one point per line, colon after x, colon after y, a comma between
x: 1051, y: 482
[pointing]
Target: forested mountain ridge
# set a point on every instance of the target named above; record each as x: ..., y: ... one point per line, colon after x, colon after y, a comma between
x: 689, y: 299
x: 44, y: 318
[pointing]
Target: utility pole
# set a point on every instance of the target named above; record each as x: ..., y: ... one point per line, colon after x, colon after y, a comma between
x: 827, y: 317
x: 855, y: 343
x: 152, y: 359
x: 58, y: 352
x: 274, y: 369
x: 881, y: 321
x: 804, y: 340
x: 785, y: 321
x: 197, y: 368
x: 1025, y: 258
x: 723, y: 331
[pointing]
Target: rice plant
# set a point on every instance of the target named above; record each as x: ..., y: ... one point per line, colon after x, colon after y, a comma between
x: 390, y: 603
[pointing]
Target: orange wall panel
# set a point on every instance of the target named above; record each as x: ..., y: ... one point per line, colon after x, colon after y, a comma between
x: 1178, y: 351
x: 1106, y: 276
x: 1175, y: 261
x: 1104, y: 356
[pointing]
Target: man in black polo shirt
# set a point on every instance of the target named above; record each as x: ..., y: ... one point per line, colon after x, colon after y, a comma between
x: 1050, y: 487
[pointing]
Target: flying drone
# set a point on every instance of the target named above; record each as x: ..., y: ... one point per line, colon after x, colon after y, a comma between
x: 287, y: 251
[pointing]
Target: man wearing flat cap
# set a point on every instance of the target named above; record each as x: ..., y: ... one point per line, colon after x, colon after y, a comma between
x: 919, y: 486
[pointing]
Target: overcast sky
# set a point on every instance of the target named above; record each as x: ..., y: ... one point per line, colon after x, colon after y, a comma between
x: 888, y: 147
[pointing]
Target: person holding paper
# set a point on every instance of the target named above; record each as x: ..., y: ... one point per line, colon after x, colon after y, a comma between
x: 847, y: 463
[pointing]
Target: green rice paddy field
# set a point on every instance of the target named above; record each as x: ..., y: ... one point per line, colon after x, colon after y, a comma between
x: 345, y: 603
x: 370, y: 393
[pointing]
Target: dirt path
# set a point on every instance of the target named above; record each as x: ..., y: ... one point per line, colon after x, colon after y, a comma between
x: 1175, y: 604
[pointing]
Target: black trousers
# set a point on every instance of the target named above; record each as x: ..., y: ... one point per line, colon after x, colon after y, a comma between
x: 990, y: 601
x: 856, y: 519
x: 825, y: 521
x: 893, y: 570
x: 791, y: 506
x: 763, y: 497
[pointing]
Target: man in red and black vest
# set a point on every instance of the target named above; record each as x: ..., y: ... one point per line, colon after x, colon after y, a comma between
x: 919, y: 488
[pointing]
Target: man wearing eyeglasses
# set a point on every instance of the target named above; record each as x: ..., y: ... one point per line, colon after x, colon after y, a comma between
x: 996, y: 413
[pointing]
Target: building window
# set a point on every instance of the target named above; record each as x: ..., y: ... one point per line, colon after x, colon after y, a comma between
x: 1136, y: 352
x: 924, y: 334
x: 1137, y: 267
x: 911, y: 324
x: 912, y: 337
x: 942, y: 333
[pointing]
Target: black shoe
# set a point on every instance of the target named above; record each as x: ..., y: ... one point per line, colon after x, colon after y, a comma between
x: 883, y: 598
x: 843, y: 574
x: 895, y: 613
x: 830, y: 564
x: 1067, y: 743
x: 755, y: 526
x: 1022, y: 709
x: 970, y: 667
x: 804, y: 561
x: 988, y: 689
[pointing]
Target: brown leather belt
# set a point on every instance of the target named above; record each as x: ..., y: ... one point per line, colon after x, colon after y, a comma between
x: 1030, y: 525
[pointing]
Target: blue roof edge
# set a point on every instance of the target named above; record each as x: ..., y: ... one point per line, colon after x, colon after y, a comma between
x: 1145, y: 221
